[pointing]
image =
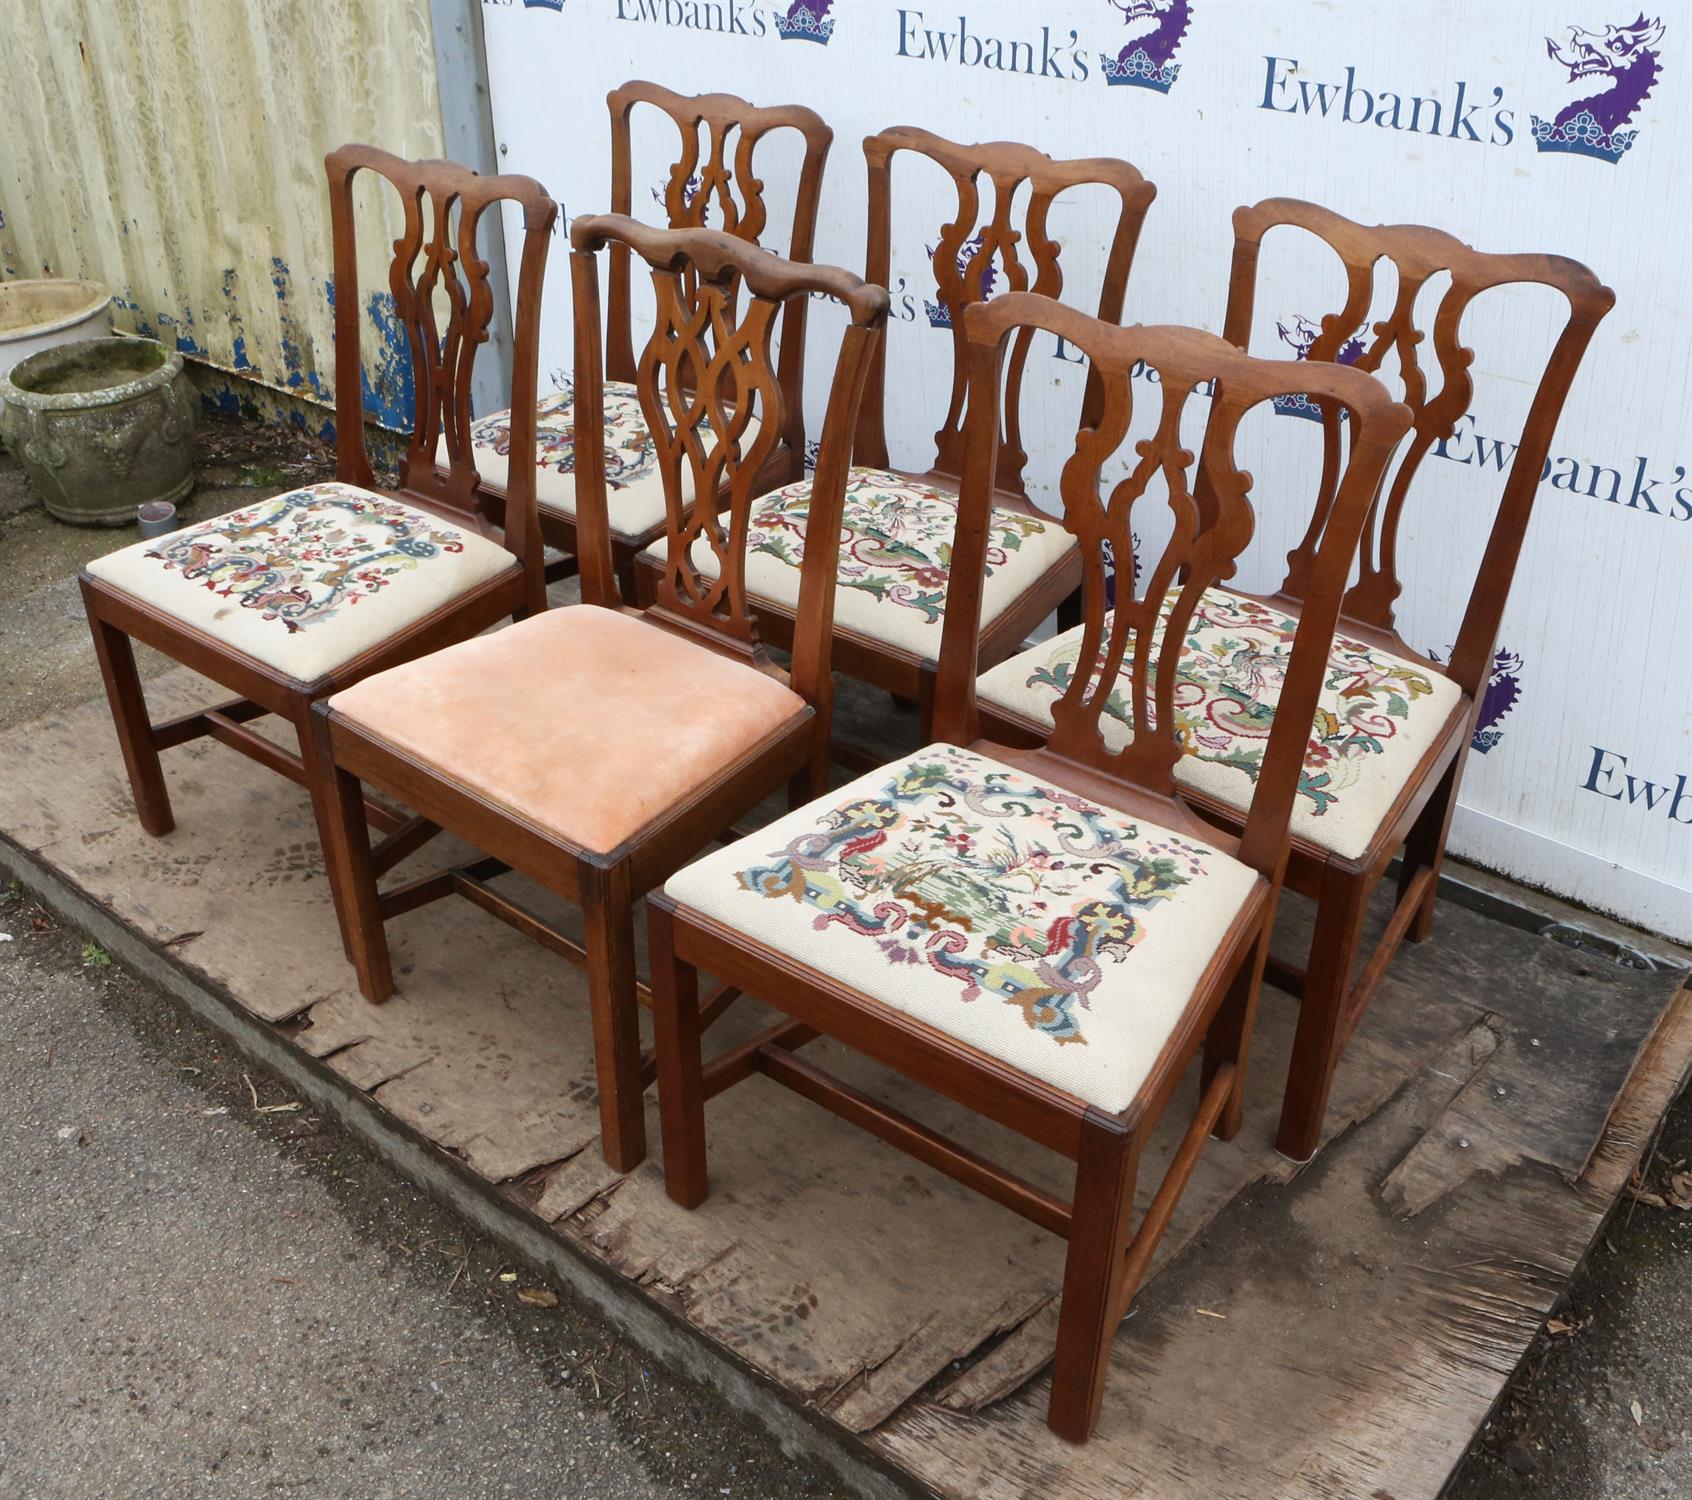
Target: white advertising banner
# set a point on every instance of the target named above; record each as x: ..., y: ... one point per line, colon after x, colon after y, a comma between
x: 1561, y: 126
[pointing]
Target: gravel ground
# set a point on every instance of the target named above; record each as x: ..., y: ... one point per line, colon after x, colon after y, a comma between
x: 204, y: 1297
x: 201, y: 1298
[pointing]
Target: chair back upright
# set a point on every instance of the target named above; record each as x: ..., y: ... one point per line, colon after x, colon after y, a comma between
x: 1204, y: 546
x: 1015, y: 242
x: 1418, y: 254
x: 707, y: 366
x: 436, y: 257
x: 716, y: 179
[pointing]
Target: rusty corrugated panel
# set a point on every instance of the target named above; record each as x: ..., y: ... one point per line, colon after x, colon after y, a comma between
x: 174, y: 151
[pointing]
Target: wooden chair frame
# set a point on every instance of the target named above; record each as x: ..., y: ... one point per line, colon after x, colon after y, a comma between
x: 721, y: 178
x: 441, y: 363
x: 1333, y: 1001
x: 1105, y: 1262
x: 1009, y: 166
x: 702, y: 363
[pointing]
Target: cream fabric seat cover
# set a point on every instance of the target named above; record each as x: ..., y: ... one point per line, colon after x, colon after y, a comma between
x: 1376, y: 717
x: 634, y: 488
x: 895, y: 556
x: 584, y: 722
x: 305, y: 581
x: 1060, y: 937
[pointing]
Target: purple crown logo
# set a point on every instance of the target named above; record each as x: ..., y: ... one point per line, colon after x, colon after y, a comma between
x: 1625, y: 58
x: 1147, y: 59
x: 939, y: 314
x: 1299, y: 336
x: 806, y: 21
x: 1503, y: 688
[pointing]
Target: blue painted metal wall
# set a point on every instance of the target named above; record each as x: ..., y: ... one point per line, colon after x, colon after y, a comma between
x: 173, y: 151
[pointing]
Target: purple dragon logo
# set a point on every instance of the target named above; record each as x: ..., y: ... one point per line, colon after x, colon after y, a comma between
x: 1503, y: 688
x: 806, y: 21
x: 1147, y: 59
x: 940, y: 315
x: 1113, y: 570
x: 1625, y: 60
x: 1298, y: 336
x: 690, y: 191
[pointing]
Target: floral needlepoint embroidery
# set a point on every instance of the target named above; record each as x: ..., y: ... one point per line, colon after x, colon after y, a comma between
x: 1229, y: 678
x: 1011, y: 888
x: 630, y: 453
x: 298, y: 558
x: 895, y: 539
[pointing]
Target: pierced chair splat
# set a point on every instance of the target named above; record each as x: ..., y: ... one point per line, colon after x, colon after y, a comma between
x: 897, y: 537
x: 594, y: 748
x: 720, y: 181
x: 290, y: 599
x: 1393, y: 728
x: 1049, y: 935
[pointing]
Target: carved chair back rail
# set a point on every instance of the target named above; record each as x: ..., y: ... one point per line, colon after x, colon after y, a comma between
x: 260, y: 599
x: 1418, y: 255
x: 720, y: 174
x: 595, y: 748
x: 722, y: 177
x: 898, y: 525
x: 972, y: 253
x: 898, y: 867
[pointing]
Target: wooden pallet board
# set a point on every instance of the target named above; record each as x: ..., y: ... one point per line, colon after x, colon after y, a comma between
x: 1367, y: 1311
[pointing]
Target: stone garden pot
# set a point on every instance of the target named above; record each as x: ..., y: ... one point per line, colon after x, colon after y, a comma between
x: 101, y: 427
x: 36, y: 315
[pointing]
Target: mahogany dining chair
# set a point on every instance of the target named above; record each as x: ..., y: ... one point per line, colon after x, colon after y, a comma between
x: 1392, y: 728
x: 290, y: 599
x: 897, y: 540
x: 595, y: 747
x: 720, y: 181
x: 1048, y: 936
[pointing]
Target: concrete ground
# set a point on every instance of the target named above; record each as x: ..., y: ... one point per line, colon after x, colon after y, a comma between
x: 204, y: 1295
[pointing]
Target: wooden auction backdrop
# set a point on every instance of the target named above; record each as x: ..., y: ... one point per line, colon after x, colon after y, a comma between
x: 1454, y: 114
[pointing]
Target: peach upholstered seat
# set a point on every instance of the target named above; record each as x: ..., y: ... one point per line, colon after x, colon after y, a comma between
x: 584, y: 721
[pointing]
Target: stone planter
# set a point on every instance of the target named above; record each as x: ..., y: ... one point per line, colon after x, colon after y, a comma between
x: 37, y: 315
x: 101, y: 427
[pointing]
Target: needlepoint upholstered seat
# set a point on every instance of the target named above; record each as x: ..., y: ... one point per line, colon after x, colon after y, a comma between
x: 1377, y: 716
x: 306, y: 581
x: 895, y: 556
x: 634, y: 486
x: 547, y: 690
x: 1056, y: 935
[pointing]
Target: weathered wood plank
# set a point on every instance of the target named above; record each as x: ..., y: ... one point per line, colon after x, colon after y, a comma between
x: 1548, y: 1090
x: 1356, y: 1353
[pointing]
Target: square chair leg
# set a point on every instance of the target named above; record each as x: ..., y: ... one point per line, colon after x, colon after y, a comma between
x: 134, y: 729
